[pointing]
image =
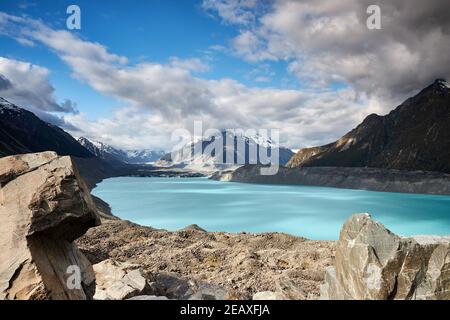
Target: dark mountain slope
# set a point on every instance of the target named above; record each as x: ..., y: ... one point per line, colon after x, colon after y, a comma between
x: 414, y: 136
x: 23, y: 132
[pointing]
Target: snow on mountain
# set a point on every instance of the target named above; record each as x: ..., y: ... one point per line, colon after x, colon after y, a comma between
x: 102, y: 150
x: 6, y: 105
x: 444, y: 84
x: 107, y: 152
x: 199, y: 155
x: 144, y: 156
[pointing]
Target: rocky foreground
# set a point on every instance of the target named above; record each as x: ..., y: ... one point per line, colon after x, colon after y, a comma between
x: 235, y: 266
x: 372, y: 263
x: 45, y: 206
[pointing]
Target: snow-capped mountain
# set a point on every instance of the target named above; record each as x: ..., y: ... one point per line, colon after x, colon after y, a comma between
x: 143, y: 156
x: 103, y: 150
x: 109, y: 153
x: 199, y: 155
x: 6, y: 105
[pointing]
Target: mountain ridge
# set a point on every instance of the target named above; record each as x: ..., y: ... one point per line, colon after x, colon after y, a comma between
x: 413, y: 136
x: 185, y: 157
x: 21, y: 131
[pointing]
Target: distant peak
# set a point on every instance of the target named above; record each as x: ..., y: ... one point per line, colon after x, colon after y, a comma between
x: 441, y: 83
x: 439, y: 86
x: 4, y: 101
x: 5, y: 104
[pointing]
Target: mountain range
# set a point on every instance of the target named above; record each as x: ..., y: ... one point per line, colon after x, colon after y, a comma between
x: 212, y: 160
x: 21, y: 131
x: 109, y: 153
x: 414, y: 136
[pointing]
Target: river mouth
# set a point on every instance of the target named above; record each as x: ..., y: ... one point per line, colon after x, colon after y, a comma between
x: 312, y: 212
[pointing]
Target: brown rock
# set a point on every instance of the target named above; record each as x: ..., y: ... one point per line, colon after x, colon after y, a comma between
x: 375, y: 264
x: 119, y: 281
x: 268, y: 295
x: 238, y: 265
x: 44, y: 207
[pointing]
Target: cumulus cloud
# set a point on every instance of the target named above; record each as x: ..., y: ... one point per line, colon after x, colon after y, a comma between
x: 232, y: 11
x: 192, y: 64
x: 159, y: 98
x: 27, y: 85
x: 328, y: 41
x: 5, y: 84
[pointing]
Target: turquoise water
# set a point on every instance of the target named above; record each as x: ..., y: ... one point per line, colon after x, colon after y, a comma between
x: 312, y: 212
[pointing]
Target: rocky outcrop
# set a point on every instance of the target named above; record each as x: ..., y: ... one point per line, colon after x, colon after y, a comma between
x: 372, y: 263
x: 349, y: 178
x: 304, y: 155
x: 44, y: 207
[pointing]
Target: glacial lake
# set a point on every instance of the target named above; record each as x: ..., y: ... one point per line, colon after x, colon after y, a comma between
x: 311, y: 212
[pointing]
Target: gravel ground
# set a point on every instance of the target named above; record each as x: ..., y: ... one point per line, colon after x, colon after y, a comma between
x: 243, y: 263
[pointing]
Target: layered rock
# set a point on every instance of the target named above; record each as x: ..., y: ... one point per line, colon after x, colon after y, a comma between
x: 44, y: 207
x: 372, y: 263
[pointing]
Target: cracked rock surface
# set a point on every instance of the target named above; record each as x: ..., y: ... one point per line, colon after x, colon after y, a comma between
x: 44, y: 207
x: 372, y: 263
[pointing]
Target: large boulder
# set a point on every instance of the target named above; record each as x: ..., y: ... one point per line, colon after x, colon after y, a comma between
x: 372, y: 263
x: 176, y: 287
x: 44, y: 207
x: 120, y: 280
x: 126, y: 281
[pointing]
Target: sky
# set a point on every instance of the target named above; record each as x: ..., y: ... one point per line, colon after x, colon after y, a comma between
x: 137, y: 70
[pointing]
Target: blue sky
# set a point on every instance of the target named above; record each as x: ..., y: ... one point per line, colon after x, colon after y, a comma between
x: 137, y: 71
x: 154, y: 30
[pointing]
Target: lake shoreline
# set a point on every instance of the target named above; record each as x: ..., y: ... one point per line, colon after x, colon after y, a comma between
x: 308, y: 211
x: 371, y: 179
x: 231, y: 265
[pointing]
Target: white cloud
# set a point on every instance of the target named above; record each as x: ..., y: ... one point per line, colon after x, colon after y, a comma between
x: 261, y: 73
x: 327, y: 41
x: 251, y: 47
x: 232, y: 11
x: 159, y: 98
x: 193, y: 64
x: 28, y: 85
x: 262, y: 79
